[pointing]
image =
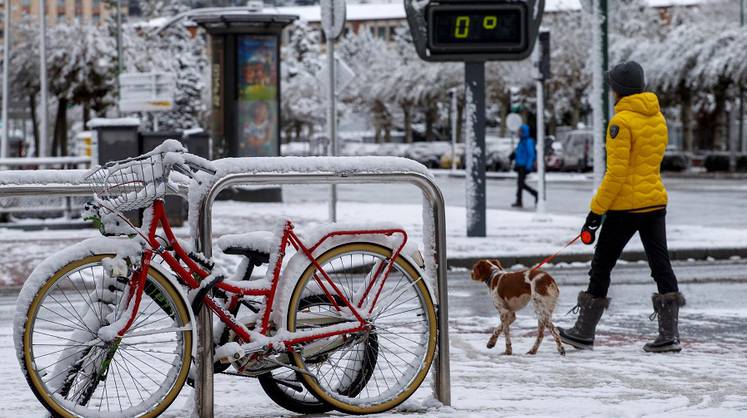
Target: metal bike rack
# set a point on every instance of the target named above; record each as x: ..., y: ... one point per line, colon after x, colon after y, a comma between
x: 37, y: 184
x: 203, y: 243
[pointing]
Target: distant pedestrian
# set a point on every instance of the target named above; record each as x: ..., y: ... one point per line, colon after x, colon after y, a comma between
x: 524, y: 158
x: 631, y: 199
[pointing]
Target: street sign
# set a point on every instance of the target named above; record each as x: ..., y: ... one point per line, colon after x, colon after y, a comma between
x: 333, y: 18
x: 146, y: 92
x: 344, y: 75
x: 513, y: 122
x: 474, y: 30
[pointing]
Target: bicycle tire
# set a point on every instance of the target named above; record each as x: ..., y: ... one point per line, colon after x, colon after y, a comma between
x: 413, y: 376
x: 161, y: 289
x: 275, y: 391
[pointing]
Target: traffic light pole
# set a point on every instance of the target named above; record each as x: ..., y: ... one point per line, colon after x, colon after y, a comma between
x: 601, y: 103
x: 6, y: 84
x: 474, y: 83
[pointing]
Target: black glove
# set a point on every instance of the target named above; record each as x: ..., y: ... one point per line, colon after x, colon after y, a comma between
x: 512, y: 156
x: 593, y: 221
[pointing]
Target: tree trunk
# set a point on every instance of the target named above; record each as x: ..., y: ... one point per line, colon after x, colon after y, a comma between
x: 34, y: 126
x: 506, y: 106
x: 86, y: 115
x: 686, y: 111
x: 407, y: 110
x: 59, y: 143
x: 719, y: 111
x: 460, y: 121
x: 431, y: 116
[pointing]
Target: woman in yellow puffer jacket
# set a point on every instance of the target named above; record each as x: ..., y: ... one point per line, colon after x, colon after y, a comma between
x: 631, y: 199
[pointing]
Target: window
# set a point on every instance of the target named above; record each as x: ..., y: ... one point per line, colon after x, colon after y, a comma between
x: 382, y: 32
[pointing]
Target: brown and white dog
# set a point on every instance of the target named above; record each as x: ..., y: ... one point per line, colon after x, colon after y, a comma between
x: 512, y: 291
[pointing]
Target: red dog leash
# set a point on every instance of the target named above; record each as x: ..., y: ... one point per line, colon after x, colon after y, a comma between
x: 552, y: 257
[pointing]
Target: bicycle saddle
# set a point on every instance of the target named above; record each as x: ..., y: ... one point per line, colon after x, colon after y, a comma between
x: 256, y: 245
x: 257, y: 258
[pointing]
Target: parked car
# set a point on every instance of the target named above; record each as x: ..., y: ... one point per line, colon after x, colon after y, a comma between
x: 497, y: 150
x: 447, y: 157
x: 553, y: 154
x: 428, y: 153
x: 577, y: 151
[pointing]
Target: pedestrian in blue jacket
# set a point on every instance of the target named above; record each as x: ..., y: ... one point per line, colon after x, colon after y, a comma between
x: 524, y: 157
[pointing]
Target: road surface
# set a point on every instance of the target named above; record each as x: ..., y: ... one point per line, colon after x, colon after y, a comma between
x: 706, y: 202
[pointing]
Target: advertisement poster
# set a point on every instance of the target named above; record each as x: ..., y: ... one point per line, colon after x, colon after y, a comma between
x: 258, y: 96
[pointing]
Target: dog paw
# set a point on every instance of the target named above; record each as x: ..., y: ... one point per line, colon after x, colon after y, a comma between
x: 507, y: 353
x: 491, y: 345
x: 532, y: 352
x: 562, y: 352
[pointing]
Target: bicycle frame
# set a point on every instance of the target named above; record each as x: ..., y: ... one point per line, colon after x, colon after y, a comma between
x: 191, y: 274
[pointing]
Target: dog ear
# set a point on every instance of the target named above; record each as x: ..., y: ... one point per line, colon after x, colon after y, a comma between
x: 497, y: 264
x: 481, y: 270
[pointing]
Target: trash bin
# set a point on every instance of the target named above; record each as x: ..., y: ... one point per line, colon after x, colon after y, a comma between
x: 198, y: 142
x: 116, y: 139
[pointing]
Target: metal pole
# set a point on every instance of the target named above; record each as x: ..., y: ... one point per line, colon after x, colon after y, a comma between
x: 437, y: 223
x: 600, y: 103
x: 42, y: 151
x: 332, y: 122
x: 6, y: 82
x: 474, y: 80
x: 120, y: 62
x: 541, y: 209
x: 741, y: 90
x: 453, y: 121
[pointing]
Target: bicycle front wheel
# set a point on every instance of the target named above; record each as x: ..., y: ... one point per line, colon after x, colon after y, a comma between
x: 403, y: 322
x: 74, y: 373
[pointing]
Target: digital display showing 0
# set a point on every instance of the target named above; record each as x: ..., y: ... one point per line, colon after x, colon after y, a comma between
x: 476, y: 27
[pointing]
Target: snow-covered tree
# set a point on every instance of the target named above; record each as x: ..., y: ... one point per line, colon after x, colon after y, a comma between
x: 176, y: 52
x: 24, y: 69
x: 302, y: 105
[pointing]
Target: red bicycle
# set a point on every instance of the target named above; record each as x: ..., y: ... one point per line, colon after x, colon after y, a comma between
x: 343, y: 318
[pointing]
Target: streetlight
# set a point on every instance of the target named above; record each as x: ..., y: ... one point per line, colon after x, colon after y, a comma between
x: 42, y: 151
x: 6, y: 84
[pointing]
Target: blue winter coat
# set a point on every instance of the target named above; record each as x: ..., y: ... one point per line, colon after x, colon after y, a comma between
x: 525, y: 152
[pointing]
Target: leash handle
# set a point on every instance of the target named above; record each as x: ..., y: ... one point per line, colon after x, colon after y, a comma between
x: 588, y: 235
x: 552, y: 257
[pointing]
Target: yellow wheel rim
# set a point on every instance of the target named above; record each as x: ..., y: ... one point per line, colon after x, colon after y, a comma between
x: 34, y: 379
x: 312, y: 385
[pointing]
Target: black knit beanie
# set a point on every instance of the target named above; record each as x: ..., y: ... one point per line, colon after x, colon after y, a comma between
x: 627, y: 78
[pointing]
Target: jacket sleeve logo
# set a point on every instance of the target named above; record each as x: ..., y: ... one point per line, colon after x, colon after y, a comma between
x: 614, y: 130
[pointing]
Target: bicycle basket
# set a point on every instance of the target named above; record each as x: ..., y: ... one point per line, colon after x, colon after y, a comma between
x: 130, y: 184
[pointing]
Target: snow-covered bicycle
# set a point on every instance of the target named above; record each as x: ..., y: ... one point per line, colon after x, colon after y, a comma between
x: 343, y: 318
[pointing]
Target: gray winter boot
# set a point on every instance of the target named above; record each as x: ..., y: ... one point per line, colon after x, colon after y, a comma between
x: 590, y: 310
x: 667, y: 308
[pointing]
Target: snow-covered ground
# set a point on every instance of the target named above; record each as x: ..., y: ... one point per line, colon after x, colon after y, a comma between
x: 617, y: 379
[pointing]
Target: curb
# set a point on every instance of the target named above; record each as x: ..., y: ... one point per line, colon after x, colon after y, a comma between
x: 683, y: 254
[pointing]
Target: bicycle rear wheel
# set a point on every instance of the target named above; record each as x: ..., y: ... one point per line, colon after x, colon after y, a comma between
x: 285, y: 387
x: 73, y: 372
x: 403, y: 322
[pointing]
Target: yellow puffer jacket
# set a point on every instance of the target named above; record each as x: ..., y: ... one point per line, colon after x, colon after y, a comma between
x: 636, y: 140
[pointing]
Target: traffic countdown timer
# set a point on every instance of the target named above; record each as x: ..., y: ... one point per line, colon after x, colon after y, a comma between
x: 474, y: 31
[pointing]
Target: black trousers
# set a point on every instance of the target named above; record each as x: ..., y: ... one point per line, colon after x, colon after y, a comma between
x: 617, y: 230
x: 521, y: 184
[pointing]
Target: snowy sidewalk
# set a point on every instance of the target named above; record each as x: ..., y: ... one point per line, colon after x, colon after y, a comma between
x: 514, y: 236
x: 617, y: 379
